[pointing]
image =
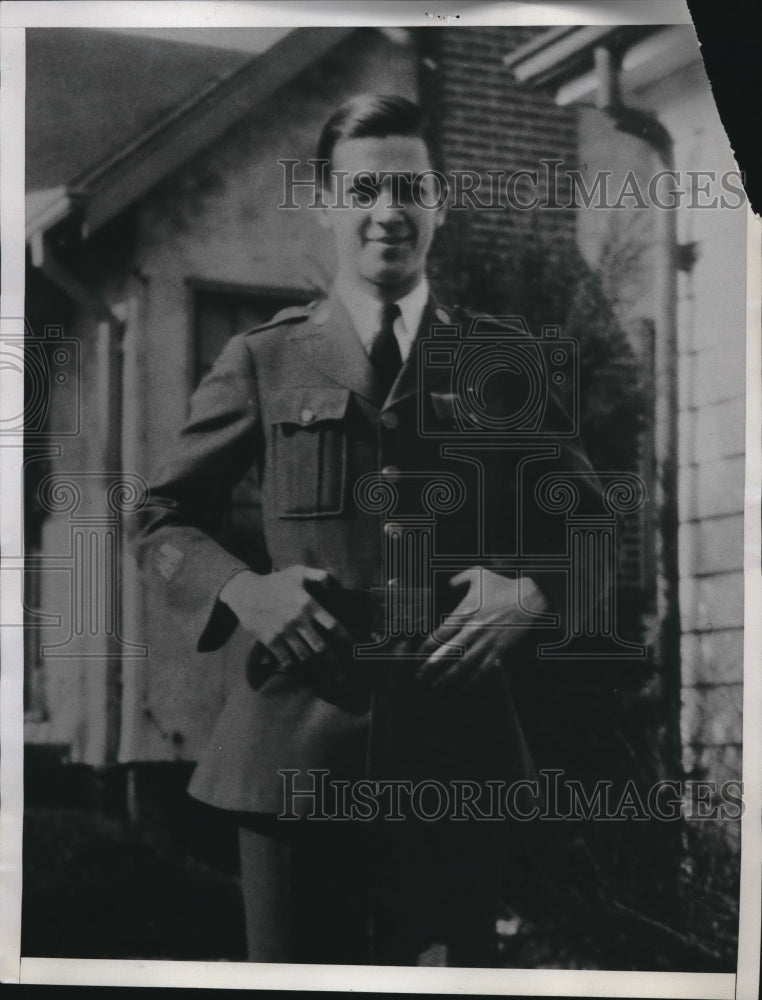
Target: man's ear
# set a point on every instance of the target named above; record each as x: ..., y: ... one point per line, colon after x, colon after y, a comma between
x: 440, y: 214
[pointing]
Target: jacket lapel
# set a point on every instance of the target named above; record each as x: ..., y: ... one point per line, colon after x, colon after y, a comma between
x: 331, y: 344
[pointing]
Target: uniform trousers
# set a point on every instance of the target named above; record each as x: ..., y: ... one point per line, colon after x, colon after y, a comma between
x: 380, y: 892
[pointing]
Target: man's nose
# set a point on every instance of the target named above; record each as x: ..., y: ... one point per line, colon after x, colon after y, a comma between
x: 388, y: 206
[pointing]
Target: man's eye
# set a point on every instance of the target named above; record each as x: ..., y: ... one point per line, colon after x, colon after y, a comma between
x: 364, y: 189
x: 366, y: 182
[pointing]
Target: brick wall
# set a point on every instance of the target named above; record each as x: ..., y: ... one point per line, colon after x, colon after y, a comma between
x: 484, y: 121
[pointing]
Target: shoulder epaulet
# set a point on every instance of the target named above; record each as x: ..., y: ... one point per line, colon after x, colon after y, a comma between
x: 453, y: 314
x: 291, y: 314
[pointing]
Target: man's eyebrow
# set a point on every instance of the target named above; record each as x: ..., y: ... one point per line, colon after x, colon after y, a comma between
x: 377, y: 176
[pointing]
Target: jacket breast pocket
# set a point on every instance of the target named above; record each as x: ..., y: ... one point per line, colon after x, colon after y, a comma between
x: 308, y: 451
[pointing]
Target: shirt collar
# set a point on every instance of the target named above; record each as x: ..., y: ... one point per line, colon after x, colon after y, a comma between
x: 365, y: 313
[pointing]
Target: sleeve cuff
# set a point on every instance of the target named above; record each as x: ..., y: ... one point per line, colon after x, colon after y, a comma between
x: 220, y: 626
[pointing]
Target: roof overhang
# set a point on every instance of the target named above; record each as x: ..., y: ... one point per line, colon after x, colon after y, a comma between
x: 563, y: 59
x: 46, y: 208
x: 102, y: 192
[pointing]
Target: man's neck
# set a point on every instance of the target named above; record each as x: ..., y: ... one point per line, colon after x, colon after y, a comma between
x: 365, y: 312
x: 382, y: 293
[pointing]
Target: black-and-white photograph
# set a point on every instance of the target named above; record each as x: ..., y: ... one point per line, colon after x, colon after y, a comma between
x: 383, y: 454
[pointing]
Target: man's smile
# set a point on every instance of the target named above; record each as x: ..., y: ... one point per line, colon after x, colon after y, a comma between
x: 389, y: 241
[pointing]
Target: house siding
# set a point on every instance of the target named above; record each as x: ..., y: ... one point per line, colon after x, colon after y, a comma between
x: 711, y: 350
x: 712, y: 338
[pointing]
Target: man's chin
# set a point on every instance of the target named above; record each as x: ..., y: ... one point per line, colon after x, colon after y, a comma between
x: 391, y: 277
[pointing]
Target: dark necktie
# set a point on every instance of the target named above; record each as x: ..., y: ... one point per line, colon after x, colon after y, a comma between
x: 385, y: 351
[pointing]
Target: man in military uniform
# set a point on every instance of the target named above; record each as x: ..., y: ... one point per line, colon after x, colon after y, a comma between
x: 342, y: 420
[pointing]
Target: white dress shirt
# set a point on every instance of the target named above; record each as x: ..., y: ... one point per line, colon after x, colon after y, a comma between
x: 365, y: 313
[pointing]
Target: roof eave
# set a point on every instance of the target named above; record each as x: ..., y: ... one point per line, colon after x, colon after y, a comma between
x: 565, y: 62
x: 561, y: 55
x: 46, y: 208
x: 107, y: 189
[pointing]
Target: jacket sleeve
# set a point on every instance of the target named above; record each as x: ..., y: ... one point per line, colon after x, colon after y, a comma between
x: 172, y: 534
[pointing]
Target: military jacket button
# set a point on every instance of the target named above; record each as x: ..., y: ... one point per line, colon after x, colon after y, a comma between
x: 389, y: 420
x: 307, y: 415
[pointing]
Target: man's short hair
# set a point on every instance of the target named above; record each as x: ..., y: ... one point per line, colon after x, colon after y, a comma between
x: 372, y: 116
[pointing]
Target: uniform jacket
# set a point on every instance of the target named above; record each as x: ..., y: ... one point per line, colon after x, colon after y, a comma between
x: 294, y: 409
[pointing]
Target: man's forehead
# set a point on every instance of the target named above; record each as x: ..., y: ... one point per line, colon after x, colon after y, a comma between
x: 380, y: 153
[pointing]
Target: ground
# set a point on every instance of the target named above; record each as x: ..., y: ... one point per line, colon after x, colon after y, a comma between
x: 102, y: 887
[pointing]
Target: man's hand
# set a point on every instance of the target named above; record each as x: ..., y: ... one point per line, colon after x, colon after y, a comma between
x: 495, y: 614
x: 288, y: 622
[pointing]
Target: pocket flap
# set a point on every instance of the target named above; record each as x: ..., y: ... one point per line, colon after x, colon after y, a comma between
x: 305, y: 405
